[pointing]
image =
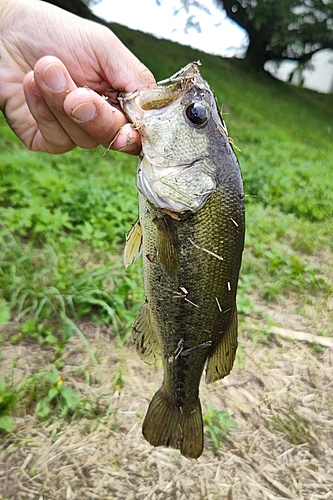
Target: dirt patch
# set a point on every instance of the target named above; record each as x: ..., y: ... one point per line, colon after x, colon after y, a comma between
x: 279, y: 394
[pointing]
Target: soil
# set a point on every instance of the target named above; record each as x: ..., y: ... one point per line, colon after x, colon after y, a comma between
x: 279, y: 394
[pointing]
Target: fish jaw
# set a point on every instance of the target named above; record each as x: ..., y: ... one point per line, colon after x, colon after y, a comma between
x: 175, y: 170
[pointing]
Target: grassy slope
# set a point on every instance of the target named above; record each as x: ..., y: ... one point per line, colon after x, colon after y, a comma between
x: 81, y: 202
x: 60, y: 259
x: 276, y: 126
x: 285, y: 137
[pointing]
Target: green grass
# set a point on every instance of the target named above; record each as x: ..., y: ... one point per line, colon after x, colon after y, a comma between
x: 217, y: 424
x: 296, y: 428
x: 63, y: 219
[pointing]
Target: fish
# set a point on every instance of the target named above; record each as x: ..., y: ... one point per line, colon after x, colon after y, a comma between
x: 190, y: 233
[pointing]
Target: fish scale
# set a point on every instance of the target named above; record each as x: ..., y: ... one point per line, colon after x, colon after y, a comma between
x: 191, y: 255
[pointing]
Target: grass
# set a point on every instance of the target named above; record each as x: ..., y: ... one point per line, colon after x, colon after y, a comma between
x: 296, y: 428
x: 218, y: 424
x: 64, y: 219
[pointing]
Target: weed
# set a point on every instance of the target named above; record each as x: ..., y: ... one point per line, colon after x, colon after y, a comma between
x: 218, y: 424
x: 49, y: 286
x: 59, y: 397
x: 118, y: 381
x: 4, y: 312
x: 296, y: 428
x: 8, y: 399
x: 270, y: 264
x: 48, y: 395
x: 83, y: 195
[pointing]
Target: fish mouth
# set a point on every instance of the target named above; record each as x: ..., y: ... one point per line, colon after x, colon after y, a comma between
x: 179, y: 189
x: 168, y: 93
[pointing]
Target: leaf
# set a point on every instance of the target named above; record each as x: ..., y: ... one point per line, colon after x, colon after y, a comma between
x: 71, y: 397
x: 6, y: 423
x: 53, y: 392
x: 4, y: 312
x: 43, y: 409
x: 85, y: 342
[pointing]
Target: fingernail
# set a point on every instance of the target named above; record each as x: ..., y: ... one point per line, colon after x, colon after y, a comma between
x: 129, y: 148
x: 54, y: 78
x: 84, y: 112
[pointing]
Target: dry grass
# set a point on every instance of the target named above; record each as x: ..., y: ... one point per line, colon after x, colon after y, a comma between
x: 279, y: 394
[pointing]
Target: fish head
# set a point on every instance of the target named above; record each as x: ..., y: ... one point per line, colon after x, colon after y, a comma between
x: 181, y: 132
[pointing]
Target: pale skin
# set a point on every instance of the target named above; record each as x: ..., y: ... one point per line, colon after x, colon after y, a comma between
x: 56, y: 72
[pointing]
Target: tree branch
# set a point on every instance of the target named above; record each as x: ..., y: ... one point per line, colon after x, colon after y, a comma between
x: 239, y: 16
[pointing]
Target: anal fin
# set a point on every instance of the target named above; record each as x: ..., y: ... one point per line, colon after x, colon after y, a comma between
x: 222, y: 359
x: 144, y: 335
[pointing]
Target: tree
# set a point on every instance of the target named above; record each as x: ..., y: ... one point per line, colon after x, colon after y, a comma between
x: 284, y: 29
x: 277, y: 29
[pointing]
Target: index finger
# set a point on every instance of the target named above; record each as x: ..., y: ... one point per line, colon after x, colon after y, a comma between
x: 101, y: 121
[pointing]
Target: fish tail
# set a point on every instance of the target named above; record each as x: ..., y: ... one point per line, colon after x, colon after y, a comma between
x: 178, y: 427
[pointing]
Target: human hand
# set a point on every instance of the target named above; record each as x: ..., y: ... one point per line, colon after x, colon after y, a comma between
x: 54, y: 71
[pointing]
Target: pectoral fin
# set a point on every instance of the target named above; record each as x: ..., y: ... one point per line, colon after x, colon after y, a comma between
x: 144, y: 336
x: 133, y: 245
x: 167, y: 244
x: 221, y: 361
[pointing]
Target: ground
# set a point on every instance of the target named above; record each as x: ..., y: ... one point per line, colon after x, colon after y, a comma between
x: 279, y: 395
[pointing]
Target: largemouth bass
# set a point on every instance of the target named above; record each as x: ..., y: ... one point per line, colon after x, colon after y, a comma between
x: 191, y: 232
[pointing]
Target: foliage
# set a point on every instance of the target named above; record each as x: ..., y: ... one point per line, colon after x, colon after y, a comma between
x: 64, y: 220
x: 218, y: 424
x: 296, y: 428
x: 7, y: 402
x: 47, y: 394
x: 288, y: 29
x: 58, y: 395
x: 4, y: 312
x: 49, y: 287
x: 270, y: 263
x: 74, y: 195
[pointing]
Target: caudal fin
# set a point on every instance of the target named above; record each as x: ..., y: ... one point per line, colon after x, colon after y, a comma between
x: 168, y: 425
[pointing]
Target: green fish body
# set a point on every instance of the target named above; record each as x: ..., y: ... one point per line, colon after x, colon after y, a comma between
x: 191, y: 233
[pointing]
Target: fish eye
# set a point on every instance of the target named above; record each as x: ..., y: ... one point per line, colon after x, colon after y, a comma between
x: 197, y: 114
